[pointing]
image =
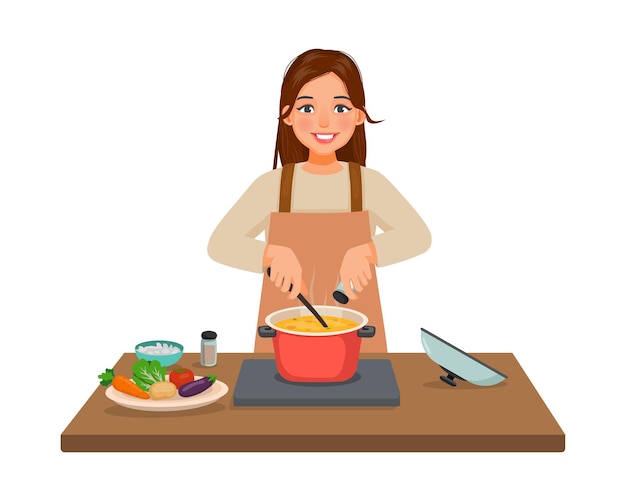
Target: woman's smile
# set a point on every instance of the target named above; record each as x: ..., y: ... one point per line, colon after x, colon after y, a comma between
x: 325, y: 138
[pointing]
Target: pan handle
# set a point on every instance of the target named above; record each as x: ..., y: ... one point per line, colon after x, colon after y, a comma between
x: 266, y: 331
x: 366, y: 331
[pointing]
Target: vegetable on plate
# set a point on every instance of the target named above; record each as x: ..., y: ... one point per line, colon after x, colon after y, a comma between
x: 181, y: 376
x: 123, y: 384
x: 146, y: 373
x: 162, y: 390
x: 196, y: 387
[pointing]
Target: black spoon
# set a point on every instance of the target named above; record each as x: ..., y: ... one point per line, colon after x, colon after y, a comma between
x: 307, y: 304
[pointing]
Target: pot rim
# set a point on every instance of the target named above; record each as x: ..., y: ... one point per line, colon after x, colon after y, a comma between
x: 336, y: 311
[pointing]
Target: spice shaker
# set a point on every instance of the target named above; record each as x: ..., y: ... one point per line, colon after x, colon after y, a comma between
x: 208, y: 349
x: 340, y: 295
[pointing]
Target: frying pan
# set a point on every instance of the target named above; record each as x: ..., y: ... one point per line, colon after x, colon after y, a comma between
x: 458, y: 364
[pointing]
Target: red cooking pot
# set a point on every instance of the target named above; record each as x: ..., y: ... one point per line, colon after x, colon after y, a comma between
x: 316, y: 357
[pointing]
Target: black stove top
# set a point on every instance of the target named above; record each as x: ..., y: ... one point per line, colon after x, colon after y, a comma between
x: 259, y: 384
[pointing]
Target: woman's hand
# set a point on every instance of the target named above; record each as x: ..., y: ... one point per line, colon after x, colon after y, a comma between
x: 286, y: 269
x: 356, y: 268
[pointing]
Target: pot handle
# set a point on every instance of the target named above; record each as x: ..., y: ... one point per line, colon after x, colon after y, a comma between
x: 266, y: 331
x: 366, y: 331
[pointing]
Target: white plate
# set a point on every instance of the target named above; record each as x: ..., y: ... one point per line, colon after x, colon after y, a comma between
x: 176, y: 403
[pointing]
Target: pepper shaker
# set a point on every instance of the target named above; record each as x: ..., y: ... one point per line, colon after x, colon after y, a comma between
x: 208, y: 349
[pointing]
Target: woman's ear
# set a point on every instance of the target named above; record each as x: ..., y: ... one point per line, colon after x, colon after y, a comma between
x: 287, y: 119
x: 360, y: 116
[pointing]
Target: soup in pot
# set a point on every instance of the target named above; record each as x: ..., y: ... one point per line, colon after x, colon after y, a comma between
x: 309, y: 323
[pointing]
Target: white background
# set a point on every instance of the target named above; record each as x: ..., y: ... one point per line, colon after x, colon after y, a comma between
x: 128, y: 129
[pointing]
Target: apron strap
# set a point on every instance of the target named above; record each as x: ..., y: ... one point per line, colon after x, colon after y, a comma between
x: 284, y: 204
x: 356, y: 195
x: 286, y: 181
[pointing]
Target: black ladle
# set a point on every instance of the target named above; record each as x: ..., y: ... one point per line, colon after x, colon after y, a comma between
x: 307, y: 304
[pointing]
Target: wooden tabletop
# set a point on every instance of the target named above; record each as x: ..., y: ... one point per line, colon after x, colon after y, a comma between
x: 432, y: 416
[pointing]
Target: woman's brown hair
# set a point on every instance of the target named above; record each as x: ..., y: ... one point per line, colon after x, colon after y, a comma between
x: 304, y: 68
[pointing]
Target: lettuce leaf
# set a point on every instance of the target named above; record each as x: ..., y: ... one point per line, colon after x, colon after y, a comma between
x: 146, y: 373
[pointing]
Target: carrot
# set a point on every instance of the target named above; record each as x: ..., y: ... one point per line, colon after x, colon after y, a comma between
x: 123, y: 384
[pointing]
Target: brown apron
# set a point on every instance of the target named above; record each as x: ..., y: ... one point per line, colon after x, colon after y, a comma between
x: 320, y: 241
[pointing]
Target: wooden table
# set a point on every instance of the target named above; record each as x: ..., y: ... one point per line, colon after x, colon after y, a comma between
x: 432, y: 416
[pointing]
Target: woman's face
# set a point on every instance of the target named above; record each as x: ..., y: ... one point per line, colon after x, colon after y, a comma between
x: 323, y: 118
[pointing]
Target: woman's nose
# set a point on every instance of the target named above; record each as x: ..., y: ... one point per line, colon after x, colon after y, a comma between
x: 323, y: 118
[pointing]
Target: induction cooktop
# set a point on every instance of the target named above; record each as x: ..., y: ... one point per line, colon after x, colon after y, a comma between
x: 259, y: 384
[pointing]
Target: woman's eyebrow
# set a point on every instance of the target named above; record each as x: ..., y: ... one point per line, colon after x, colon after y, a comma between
x: 342, y: 97
x: 304, y: 97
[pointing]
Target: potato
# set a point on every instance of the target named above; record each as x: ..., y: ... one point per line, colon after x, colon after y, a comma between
x: 161, y: 390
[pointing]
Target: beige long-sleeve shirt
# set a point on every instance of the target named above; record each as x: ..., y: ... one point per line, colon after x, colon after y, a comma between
x: 239, y: 239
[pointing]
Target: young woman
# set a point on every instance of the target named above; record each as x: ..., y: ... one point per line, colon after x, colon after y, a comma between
x: 320, y: 210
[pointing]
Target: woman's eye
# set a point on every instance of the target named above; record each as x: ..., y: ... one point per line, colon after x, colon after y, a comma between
x: 307, y: 108
x: 342, y: 108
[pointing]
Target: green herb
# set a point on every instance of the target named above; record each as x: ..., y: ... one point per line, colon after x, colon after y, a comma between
x: 106, y: 377
x: 146, y: 373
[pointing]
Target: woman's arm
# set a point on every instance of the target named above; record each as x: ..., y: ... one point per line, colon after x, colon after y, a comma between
x: 233, y: 241
x: 405, y: 234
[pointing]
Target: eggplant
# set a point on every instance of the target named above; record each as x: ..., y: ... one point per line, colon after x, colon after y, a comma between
x: 195, y: 387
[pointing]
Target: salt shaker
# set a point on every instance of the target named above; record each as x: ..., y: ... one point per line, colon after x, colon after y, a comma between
x: 340, y: 294
x: 208, y: 349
